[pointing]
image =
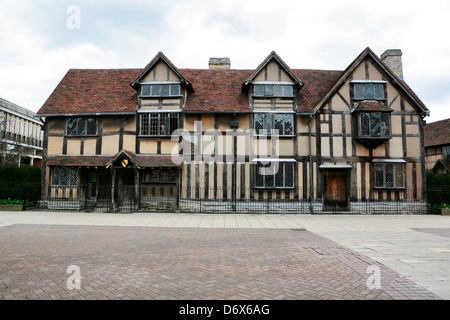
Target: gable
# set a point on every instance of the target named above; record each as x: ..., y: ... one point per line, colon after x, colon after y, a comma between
x: 160, y: 67
x: 273, y: 72
x: 368, y: 67
x: 160, y: 72
x: 275, y: 68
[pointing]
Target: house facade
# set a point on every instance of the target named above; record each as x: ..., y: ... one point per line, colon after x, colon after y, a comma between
x: 437, y: 146
x: 318, y: 140
x: 21, y: 135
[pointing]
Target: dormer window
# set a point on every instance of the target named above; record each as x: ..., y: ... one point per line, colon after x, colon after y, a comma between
x: 161, y: 90
x: 369, y: 90
x: 273, y: 90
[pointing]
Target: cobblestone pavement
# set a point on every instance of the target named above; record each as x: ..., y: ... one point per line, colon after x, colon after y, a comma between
x: 162, y: 263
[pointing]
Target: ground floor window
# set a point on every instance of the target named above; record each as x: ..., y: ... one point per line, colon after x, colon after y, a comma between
x: 160, y: 176
x: 64, y: 177
x: 389, y: 175
x: 274, y: 175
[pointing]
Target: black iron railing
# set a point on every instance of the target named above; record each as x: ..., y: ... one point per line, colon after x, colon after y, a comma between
x: 170, y: 198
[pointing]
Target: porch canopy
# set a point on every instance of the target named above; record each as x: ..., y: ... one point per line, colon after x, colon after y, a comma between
x: 137, y: 161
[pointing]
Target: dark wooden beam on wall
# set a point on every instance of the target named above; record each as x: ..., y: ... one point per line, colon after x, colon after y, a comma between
x: 98, y: 146
x: 404, y: 143
x: 44, y: 160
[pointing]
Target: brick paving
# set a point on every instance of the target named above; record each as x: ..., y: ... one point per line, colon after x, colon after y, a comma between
x: 188, y: 264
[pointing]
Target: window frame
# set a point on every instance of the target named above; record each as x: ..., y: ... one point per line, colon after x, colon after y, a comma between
x: 86, y: 131
x: 367, y: 83
x: 371, y: 116
x: 273, y: 115
x: 161, y: 85
x: 160, y: 175
x: 268, y: 90
x: 56, y: 175
x: 389, y: 185
x: 145, y: 129
x: 273, y: 186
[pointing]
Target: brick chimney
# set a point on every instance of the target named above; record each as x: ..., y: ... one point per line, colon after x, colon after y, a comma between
x: 219, y: 63
x: 393, y: 59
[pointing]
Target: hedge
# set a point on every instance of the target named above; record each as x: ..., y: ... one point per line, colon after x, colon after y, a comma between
x: 21, y: 183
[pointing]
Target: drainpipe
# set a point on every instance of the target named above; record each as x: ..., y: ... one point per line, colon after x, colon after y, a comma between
x: 234, y: 125
x: 310, y: 167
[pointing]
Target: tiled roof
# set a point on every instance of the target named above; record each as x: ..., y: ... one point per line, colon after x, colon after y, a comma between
x: 141, y: 161
x: 218, y: 90
x: 108, y: 91
x: 93, y: 91
x: 316, y: 84
x: 437, y: 133
x: 442, y: 163
x: 375, y: 106
x: 78, y: 161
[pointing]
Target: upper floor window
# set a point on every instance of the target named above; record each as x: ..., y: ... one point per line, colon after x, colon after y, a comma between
x: 374, y: 125
x: 273, y: 90
x: 446, y: 153
x: 161, y: 90
x: 389, y: 175
x: 274, y: 124
x: 368, y: 91
x: 158, y: 124
x: 81, y: 127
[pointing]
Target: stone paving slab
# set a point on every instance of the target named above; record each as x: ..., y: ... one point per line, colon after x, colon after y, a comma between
x: 163, y: 263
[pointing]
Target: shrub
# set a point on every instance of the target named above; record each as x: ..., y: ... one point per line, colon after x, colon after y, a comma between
x: 22, y: 183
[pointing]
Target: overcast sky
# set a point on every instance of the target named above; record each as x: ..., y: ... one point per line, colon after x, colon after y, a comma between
x: 40, y: 40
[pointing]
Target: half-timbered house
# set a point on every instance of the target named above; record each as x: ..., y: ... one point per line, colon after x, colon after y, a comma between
x: 202, y: 140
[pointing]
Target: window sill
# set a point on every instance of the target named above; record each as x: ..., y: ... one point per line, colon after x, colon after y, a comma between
x: 83, y: 136
x: 273, y: 97
x: 155, y: 137
x: 272, y: 135
x: 374, y: 138
x: 160, y: 97
x: 158, y: 183
x: 273, y: 188
x: 389, y: 189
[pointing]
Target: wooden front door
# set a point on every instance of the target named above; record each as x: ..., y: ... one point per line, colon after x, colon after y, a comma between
x: 335, y: 190
x: 125, y: 190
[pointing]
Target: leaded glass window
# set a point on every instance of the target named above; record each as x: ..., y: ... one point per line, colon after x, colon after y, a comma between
x: 389, y: 175
x: 374, y: 124
x: 81, y: 127
x: 273, y: 90
x: 160, y: 90
x: 274, y: 175
x: 368, y: 91
x: 64, y: 177
x: 160, y: 176
x: 274, y: 124
x: 158, y: 124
